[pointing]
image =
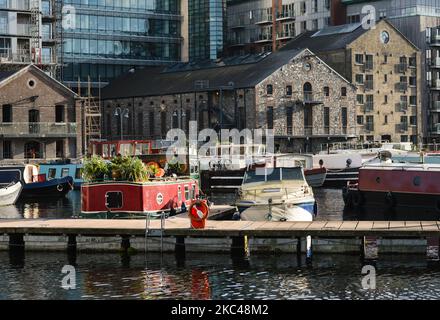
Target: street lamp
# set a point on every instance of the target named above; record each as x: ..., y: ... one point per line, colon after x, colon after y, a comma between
x: 122, y: 114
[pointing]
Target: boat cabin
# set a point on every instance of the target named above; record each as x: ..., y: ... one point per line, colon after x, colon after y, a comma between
x: 110, y: 149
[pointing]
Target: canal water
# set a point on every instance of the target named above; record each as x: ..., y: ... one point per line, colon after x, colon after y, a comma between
x: 215, y: 276
x: 330, y: 207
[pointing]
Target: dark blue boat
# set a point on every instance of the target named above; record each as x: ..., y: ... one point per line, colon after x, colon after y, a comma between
x: 34, y: 184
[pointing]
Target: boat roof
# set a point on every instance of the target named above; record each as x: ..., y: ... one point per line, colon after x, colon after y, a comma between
x: 403, y: 166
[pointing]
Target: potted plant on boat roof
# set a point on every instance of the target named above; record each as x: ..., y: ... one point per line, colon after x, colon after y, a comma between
x: 95, y: 169
x: 133, y: 169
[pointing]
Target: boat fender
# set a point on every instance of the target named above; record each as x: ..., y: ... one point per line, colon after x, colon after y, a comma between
x: 390, y: 200
x: 60, y: 187
x: 357, y: 199
x: 315, y: 209
x: 236, y: 215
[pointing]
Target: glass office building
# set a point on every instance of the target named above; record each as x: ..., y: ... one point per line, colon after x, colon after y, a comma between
x: 104, y: 38
x: 206, y: 29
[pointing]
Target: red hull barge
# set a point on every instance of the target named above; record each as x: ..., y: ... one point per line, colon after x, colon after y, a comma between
x: 395, y: 185
x: 122, y: 198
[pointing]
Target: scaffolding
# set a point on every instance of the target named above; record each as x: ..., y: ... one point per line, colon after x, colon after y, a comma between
x: 91, y: 106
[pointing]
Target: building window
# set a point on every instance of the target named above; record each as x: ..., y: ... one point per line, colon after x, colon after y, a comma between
x: 413, y: 139
x: 175, y: 120
x: 288, y: 91
x: 413, y: 81
x: 7, y: 149
x: 289, y: 120
x: 140, y: 124
x: 403, y: 138
x: 344, y: 117
x: 385, y: 58
x: 360, y: 119
x: 326, y: 91
x: 151, y: 124
x: 359, y: 78
x: 343, y: 91
x: 385, y: 99
x: 385, y: 78
x: 269, y: 89
x: 412, y: 62
x: 326, y: 120
x: 413, y: 120
x: 369, y: 82
x: 7, y: 113
x: 413, y: 100
x: 359, y: 58
x: 60, y: 148
x: 163, y: 124
x: 368, y: 61
x: 269, y: 117
x: 385, y: 120
x: 59, y: 114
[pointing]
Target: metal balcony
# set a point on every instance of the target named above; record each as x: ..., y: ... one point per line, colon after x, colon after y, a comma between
x: 264, y: 19
x: 402, y: 67
x: 435, y: 39
x: 286, y: 16
x: 435, y: 84
x: 368, y: 106
x: 19, y: 57
x: 402, y: 86
x: 402, y: 127
x: 368, y: 84
x: 37, y: 129
x: 368, y: 65
x: 285, y: 35
x: 402, y: 106
x: 24, y: 29
x: 263, y: 37
x: 435, y: 106
x: 435, y: 62
x: 369, y: 126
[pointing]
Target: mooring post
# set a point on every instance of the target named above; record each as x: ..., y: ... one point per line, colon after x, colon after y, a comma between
x: 71, y: 243
x: 298, y: 246
x: 309, y: 249
x: 179, y: 248
x: 16, y: 241
x: 125, y: 243
x: 370, y: 250
x: 432, y: 248
x: 238, y: 246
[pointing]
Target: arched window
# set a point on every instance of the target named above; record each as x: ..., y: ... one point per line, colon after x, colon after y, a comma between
x: 307, y: 89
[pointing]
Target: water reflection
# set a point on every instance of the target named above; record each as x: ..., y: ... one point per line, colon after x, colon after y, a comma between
x: 330, y: 207
x: 214, y: 276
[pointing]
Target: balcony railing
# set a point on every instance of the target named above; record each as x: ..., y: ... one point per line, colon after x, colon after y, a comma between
x: 435, y: 84
x: 23, y: 29
x: 368, y: 106
x: 435, y: 128
x: 402, y: 127
x: 310, y: 131
x: 21, y: 56
x: 368, y: 65
x: 286, y: 35
x: 402, y: 86
x: 436, y: 105
x: 18, y: 5
x: 264, y: 37
x: 435, y: 62
x: 435, y: 38
x: 37, y: 129
x: 368, y: 84
x: 369, y: 126
x: 402, y: 67
x: 402, y: 106
x: 264, y: 19
x: 286, y: 15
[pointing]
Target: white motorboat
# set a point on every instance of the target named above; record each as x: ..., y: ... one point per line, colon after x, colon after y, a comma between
x: 276, y: 194
x: 10, y: 193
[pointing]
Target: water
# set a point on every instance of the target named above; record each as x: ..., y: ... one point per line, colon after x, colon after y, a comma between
x: 330, y: 207
x: 214, y: 276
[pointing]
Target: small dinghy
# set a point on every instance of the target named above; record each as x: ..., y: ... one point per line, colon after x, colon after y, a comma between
x: 10, y: 193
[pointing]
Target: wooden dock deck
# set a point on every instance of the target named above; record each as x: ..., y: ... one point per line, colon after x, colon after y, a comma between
x: 233, y: 236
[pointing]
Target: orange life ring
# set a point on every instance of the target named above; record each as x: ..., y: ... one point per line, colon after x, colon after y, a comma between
x: 160, y: 173
x: 153, y: 164
x: 198, y: 213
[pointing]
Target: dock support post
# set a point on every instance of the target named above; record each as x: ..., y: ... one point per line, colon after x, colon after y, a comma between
x: 298, y: 246
x: 125, y: 243
x: 238, y: 246
x: 179, y: 248
x: 432, y: 248
x: 370, y: 248
x: 16, y: 242
x: 71, y: 249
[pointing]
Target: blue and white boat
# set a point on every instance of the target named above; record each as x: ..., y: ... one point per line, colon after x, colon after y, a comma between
x: 276, y: 194
x: 62, y: 170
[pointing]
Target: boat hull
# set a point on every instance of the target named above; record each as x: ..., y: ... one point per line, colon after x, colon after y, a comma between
x: 10, y: 194
x: 340, y: 177
x: 54, y: 188
x: 315, y: 177
x: 121, y: 198
x: 294, y: 212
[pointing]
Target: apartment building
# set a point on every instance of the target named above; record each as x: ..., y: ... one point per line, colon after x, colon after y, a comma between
x: 385, y: 67
x: 264, y: 25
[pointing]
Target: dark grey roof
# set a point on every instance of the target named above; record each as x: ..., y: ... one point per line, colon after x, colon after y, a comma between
x: 244, y: 72
x: 6, y: 74
x: 328, y: 39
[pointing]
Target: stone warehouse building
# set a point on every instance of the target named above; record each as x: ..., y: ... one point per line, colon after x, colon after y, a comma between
x: 40, y: 117
x: 386, y: 69
x: 294, y: 92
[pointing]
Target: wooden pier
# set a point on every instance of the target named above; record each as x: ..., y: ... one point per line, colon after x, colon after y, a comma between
x: 234, y: 236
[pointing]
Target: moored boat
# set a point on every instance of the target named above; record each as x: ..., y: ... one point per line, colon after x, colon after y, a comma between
x: 62, y: 170
x: 34, y: 184
x: 276, y: 194
x: 393, y: 185
x: 10, y: 193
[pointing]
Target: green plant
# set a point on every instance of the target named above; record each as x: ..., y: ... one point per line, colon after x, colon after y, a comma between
x: 94, y: 168
x: 133, y: 169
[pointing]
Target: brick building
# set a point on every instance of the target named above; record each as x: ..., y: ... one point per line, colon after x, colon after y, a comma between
x: 386, y: 69
x: 306, y: 102
x: 40, y: 117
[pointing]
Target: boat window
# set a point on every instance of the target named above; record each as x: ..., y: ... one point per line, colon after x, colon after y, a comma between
x: 126, y: 149
x: 105, y: 152
x: 193, y: 192
x: 64, y: 172
x: 78, y: 173
x: 292, y: 174
x: 51, y: 173
x: 187, y: 195
x: 114, y: 200
x: 179, y: 194
x: 112, y: 150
